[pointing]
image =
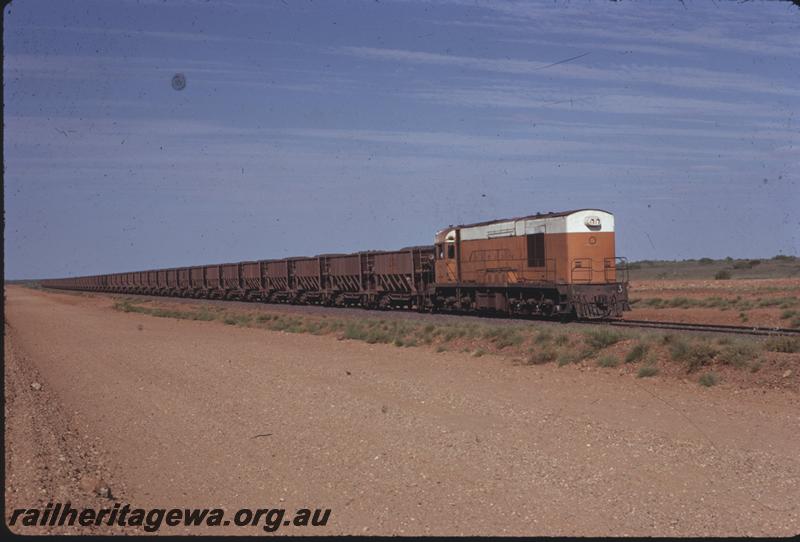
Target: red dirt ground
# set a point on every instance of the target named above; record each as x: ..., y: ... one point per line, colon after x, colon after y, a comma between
x: 394, y: 440
x: 751, y: 290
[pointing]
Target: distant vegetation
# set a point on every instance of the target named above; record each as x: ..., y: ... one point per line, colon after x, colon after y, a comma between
x: 790, y: 315
x: 780, y: 266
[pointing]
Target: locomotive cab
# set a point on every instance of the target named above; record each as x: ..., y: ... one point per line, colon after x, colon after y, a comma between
x: 445, y: 250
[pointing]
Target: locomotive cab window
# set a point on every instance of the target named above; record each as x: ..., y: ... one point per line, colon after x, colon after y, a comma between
x: 439, y: 252
x: 536, y: 250
x: 451, y: 251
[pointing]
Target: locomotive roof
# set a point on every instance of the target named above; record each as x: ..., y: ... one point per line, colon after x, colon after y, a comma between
x: 540, y: 215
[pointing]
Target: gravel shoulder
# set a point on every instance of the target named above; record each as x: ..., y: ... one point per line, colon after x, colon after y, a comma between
x: 394, y: 441
x: 47, y: 457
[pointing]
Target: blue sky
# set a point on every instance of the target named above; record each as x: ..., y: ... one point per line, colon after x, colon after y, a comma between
x: 313, y: 127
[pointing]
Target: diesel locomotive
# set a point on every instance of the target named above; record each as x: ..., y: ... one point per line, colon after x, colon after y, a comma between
x: 552, y: 264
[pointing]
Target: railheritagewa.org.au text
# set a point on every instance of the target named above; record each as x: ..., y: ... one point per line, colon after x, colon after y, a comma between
x: 151, y: 520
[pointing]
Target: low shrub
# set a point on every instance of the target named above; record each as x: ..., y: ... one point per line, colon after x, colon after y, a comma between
x: 782, y: 302
x: 637, y: 353
x: 453, y: 332
x: 608, y: 361
x: 543, y: 336
x: 546, y: 355
x: 646, y: 371
x: 508, y: 337
x: 695, y: 354
x: 316, y: 328
x: 602, y: 338
x: 723, y: 274
x: 568, y: 357
x: 788, y: 345
x: 680, y: 302
x: 678, y: 348
x: 708, y: 380
x: 699, y: 354
x: 239, y: 319
x: 738, y: 354
x: 354, y: 331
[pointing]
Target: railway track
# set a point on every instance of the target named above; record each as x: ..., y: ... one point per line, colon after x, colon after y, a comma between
x: 709, y: 328
x: 356, y: 311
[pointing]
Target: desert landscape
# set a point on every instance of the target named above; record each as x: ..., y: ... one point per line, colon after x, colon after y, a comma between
x: 401, y: 268
x: 402, y: 424
x: 763, y: 293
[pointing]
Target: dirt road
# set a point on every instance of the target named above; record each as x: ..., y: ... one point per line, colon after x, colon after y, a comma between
x: 393, y: 440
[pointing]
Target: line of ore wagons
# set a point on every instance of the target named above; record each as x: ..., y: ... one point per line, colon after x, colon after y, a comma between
x: 372, y: 277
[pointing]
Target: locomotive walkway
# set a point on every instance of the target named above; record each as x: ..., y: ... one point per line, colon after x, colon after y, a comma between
x: 393, y: 440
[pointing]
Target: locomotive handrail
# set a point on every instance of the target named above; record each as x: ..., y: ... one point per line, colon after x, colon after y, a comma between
x: 581, y: 269
x: 548, y: 271
x: 619, y: 264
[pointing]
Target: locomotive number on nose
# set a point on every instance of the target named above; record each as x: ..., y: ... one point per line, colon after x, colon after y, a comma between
x: 592, y: 221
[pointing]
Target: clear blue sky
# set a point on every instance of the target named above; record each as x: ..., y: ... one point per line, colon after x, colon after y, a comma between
x: 313, y: 127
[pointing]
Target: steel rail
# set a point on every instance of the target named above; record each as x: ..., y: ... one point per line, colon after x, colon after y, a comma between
x: 709, y: 328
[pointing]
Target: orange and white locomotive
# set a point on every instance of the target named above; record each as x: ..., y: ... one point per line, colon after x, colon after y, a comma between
x: 554, y: 263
